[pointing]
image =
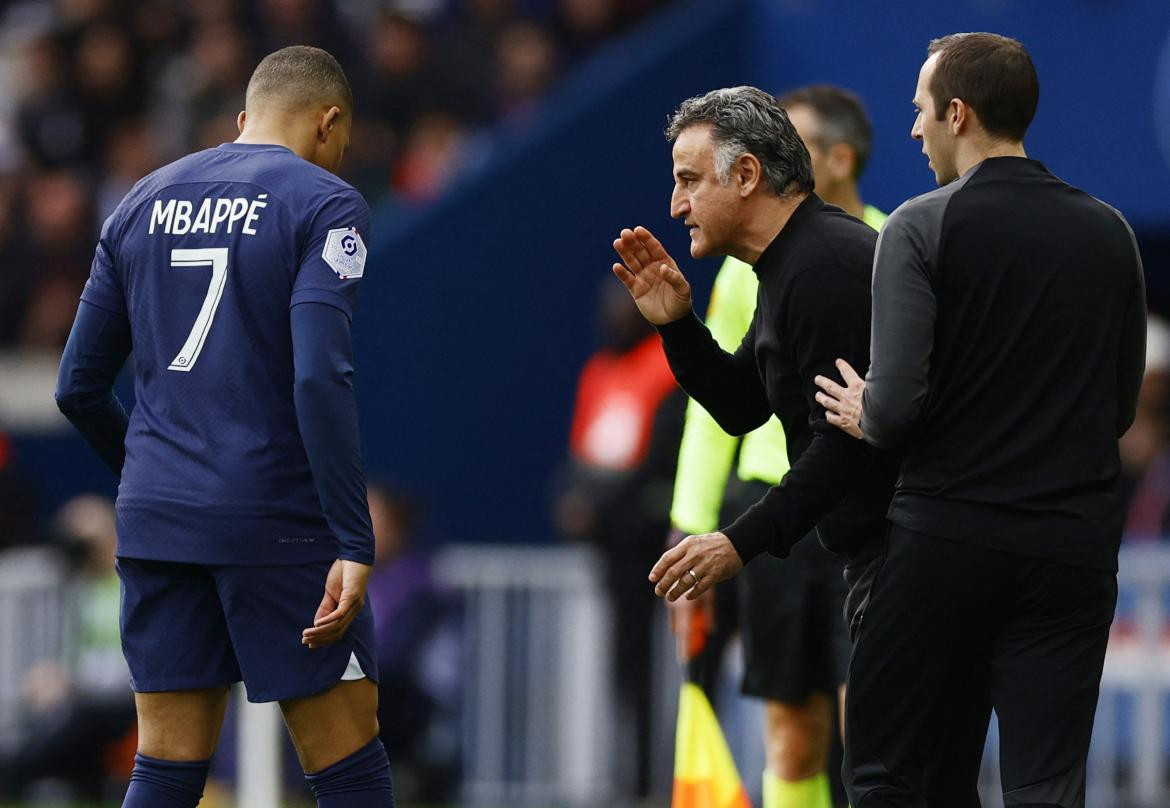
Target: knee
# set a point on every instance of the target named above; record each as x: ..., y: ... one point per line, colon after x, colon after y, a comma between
x: 797, y: 739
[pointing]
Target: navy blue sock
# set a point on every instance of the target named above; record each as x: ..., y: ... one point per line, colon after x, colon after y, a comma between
x: 361, y: 780
x: 165, y: 783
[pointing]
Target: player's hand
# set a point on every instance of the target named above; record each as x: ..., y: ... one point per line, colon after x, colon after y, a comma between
x: 695, y: 565
x: 842, y: 404
x: 345, y: 594
x: 652, y: 277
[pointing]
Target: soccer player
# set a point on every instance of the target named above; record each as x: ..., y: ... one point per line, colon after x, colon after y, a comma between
x: 796, y: 649
x: 1008, y: 346
x: 244, y: 539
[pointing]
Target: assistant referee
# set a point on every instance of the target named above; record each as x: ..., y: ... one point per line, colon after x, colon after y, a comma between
x: 1007, y: 354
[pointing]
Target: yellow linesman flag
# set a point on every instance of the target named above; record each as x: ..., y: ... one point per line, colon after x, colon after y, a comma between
x: 704, y: 771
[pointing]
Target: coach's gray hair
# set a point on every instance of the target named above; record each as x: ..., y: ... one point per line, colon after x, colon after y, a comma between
x: 749, y: 120
x: 300, y: 76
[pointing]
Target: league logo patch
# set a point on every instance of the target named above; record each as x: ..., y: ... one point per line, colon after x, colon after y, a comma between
x: 345, y: 252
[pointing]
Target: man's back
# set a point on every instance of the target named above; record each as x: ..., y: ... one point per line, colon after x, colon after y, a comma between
x: 1032, y: 280
x: 206, y: 256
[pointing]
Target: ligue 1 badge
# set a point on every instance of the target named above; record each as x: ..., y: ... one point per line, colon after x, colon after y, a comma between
x: 345, y: 252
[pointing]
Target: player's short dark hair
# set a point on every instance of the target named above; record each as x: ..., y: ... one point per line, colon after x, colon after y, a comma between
x: 841, y: 118
x: 300, y: 76
x: 746, y: 120
x: 993, y: 74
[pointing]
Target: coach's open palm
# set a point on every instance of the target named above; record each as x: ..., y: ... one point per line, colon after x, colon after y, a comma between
x: 652, y: 276
x: 345, y: 594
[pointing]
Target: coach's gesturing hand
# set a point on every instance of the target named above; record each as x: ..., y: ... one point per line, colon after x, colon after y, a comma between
x: 345, y: 594
x: 662, y: 293
x: 694, y: 565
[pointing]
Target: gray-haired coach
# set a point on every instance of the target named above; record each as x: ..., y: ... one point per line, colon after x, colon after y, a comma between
x: 1007, y: 353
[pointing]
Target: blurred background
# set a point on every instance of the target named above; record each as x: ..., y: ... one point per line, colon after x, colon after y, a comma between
x: 502, y: 144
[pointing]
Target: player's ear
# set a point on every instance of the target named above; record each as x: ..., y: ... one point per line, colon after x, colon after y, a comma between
x: 958, y: 115
x: 240, y: 120
x: 747, y: 171
x: 329, y: 120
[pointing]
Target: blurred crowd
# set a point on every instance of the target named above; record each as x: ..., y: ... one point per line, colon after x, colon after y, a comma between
x: 97, y: 93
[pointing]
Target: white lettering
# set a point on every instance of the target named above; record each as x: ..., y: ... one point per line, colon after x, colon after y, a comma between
x: 239, y: 207
x: 253, y: 215
x: 203, y: 218
x: 178, y: 217
x: 162, y: 215
x: 182, y: 218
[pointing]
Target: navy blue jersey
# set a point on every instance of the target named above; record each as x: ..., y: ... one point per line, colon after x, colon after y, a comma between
x: 206, y: 256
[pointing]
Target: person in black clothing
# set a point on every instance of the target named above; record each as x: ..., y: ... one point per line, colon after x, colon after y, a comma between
x: 1008, y: 346
x: 743, y: 184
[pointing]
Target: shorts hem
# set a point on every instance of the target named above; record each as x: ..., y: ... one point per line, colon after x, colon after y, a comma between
x: 169, y: 684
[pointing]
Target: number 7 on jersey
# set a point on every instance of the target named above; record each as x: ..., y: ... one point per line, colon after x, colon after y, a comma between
x: 217, y: 259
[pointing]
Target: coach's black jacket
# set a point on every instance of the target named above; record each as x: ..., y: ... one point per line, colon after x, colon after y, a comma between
x: 813, y: 307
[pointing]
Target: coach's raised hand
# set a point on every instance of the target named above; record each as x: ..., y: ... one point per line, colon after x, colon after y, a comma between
x: 658, y: 287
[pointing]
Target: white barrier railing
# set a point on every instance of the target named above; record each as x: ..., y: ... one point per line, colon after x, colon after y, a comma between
x: 537, y: 653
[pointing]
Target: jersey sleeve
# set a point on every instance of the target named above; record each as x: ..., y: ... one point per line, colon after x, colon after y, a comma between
x: 706, y: 452
x: 104, y: 287
x: 334, y: 257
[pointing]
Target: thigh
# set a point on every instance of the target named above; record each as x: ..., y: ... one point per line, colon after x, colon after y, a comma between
x: 174, y: 634
x: 266, y: 609
x: 1046, y: 675
x: 180, y: 725
x: 917, y: 629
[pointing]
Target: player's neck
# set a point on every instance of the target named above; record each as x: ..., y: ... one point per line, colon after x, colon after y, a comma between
x: 278, y: 136
x: 760, y: 229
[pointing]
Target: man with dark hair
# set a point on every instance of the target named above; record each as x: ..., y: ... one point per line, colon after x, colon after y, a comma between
x: 233, y: 273
x: 795, y: 646
x: 743, y: 185
x: 1008, y: 346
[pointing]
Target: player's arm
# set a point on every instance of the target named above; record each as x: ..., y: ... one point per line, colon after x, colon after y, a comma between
x: 822, y: 324
x: 904, y: 309
x: 98, y: 346
x: 320, y: 315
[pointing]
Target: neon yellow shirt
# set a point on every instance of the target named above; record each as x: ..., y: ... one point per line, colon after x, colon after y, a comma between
x: 706, y: 452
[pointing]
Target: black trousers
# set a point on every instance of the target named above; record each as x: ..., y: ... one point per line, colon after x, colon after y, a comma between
x: 942, y: 622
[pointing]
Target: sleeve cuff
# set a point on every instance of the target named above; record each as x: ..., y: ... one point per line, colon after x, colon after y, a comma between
x: 749, y: 534
x: 108, y: 302
x: 685, y: 334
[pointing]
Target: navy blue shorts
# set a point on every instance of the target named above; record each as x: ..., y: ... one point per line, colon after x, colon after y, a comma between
x: 193, y: 626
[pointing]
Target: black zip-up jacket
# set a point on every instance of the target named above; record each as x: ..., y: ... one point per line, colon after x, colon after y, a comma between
x: 812, y: 307
x: 1008, y: 347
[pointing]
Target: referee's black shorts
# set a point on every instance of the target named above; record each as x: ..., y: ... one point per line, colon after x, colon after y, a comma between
x: 794, y: 641
x: 935, y: 618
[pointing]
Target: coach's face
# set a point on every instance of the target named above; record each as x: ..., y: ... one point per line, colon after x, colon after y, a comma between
x: 706, y: 206
x: 938, y: 142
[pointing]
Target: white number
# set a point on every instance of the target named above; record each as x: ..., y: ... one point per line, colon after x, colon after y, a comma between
x: 217, y: 259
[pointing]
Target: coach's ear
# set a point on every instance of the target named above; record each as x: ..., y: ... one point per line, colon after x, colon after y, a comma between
x: 243, y: 116
x: 747, y: 172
